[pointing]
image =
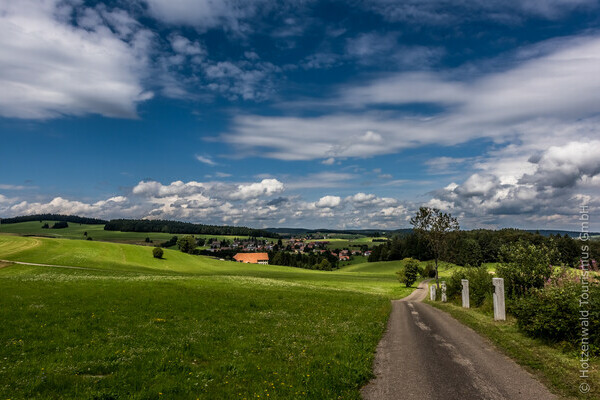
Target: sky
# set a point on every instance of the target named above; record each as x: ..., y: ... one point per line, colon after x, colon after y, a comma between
x: 315, y: 114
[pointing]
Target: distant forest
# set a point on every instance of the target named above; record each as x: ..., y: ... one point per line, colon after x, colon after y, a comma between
x: 176, y: 227
x: 482, y: 246
x: 54, y: 217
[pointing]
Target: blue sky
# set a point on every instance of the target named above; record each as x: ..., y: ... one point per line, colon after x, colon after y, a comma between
x: 347, y: 114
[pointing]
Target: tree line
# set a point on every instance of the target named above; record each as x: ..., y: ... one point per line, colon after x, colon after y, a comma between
x: 54, y: 217
x: 177, y: 227
x: 319, y: 261
x: 473, y: 248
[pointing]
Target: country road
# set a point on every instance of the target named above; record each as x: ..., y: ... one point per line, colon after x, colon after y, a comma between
x: 426, y: 354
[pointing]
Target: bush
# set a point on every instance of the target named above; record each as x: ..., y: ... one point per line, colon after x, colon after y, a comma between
x: 553, y: 313
x: 60, y: 225
x: 187, y: 244
x: 157, y: 252
x: 480, y: 285
x: 428, y: 271
x: 170, y: 242
x: 408, y: 273
x: 524, y: 267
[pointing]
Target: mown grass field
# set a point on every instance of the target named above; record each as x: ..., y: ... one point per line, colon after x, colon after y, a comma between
x: 184, y: 326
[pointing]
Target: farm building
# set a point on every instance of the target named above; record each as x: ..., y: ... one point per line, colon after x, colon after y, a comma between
x: 252, y: 258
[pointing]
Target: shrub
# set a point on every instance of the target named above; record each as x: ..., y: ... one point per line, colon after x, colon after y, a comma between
x: 408, y: 273
x: 157, y: 252
x: 170, y: 242
x: 428, y: 271
x: 60, y: 225
x: 553, y: 313
x: 187, y: 244
x: 524, y: 267
x: 480, y: 285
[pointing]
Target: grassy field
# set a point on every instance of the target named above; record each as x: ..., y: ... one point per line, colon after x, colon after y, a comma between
x: 558, y: 370
x: 336, y: 243
x: 96, y: 232
x: 185, y: 326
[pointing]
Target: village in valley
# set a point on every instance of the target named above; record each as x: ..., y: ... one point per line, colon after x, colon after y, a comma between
x: 256, y: 251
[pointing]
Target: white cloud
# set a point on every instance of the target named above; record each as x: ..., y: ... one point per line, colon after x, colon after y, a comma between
x: 328, y: 202
x: 49, y: 67
x: 112, y: 206
x: 206, y: 14
x: 13, y: 187
x: 545, y: 188
x: 442, y: 12
x: 266, y: 187
x: 205, y: 160
x: 556, y: 85
x: 183, y: 45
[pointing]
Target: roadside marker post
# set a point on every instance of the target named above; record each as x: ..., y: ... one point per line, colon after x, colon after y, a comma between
x: 465, y: 293
x: 444, y: 298
x: 432, y: 292
x: 499, y: 305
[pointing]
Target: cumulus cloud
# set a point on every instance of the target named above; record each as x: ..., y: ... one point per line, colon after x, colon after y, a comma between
x: 250, y: 204
x: 50, y: 66
x: 103, y: 208
x: 266, y: 187
x: 545, y: 188
x: 328, y: 202
x: 565, y: 166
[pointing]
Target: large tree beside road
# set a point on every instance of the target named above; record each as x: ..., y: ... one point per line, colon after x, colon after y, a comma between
x: 434, y: 226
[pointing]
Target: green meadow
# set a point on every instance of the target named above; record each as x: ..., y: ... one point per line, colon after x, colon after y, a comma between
x: 96, y: 232
x: 128, y: 325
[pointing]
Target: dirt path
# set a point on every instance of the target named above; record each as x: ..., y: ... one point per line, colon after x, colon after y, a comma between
x: 48, y: 265
x: 426, y: 354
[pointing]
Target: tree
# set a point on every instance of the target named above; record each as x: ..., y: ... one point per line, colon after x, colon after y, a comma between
x: 60, y: 225
x: 525, y: 266
x: 325, y: 265
x: 408, y: 274
x: 157, y: 252
x: 434, y: 226
x: 187, y: 244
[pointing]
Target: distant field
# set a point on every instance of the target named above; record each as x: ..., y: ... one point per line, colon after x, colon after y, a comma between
x: 185, y: 326
x: 349, y: 243
x: 96, y: 232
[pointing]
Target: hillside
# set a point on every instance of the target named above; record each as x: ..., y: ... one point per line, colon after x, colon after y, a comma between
x: 128, y: 325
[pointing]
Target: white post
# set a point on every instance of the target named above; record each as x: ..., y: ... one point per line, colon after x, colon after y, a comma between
x: 465, y: 293
x: 499, y: 307
x: 444, y: 298
x: 432, y: 292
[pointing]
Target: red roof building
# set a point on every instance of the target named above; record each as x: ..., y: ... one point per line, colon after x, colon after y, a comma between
x: 252, y: 258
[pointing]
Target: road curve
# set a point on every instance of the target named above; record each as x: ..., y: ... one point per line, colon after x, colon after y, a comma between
x: 426, y: 354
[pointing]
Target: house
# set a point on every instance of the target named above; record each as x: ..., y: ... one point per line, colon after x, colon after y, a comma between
x: 252, y: 258
x: 344, y: 257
